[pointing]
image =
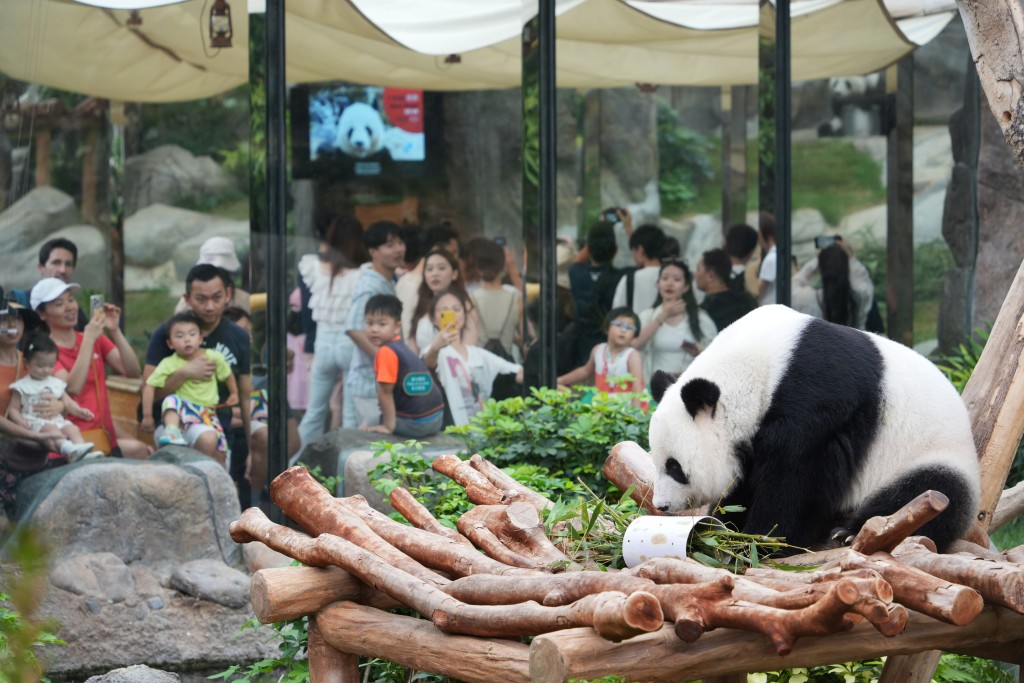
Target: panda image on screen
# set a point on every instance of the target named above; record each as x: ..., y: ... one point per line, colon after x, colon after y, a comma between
x: 858, y: 106
x: 813, y: 428
x: 360, y: 131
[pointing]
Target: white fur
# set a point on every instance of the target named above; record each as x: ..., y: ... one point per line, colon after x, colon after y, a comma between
x: 360, y: 131
x: 923, y: 420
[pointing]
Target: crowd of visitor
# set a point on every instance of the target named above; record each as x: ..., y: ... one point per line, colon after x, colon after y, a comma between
x: 398, y: 330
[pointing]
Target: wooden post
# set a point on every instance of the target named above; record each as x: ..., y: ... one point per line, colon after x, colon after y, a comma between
x: 90, y: 178
x: 44, y: 141
x: 328, y: 664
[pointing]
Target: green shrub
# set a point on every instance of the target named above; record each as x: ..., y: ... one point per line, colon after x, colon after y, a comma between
x: 684, y: 161
x: 571, y: 433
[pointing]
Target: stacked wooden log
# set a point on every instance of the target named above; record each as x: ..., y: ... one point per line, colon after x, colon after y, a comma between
x: 523, y: 585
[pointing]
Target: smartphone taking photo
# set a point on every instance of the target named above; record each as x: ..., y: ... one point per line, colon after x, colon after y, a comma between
x: 95, y: 304
x: 822, y: 241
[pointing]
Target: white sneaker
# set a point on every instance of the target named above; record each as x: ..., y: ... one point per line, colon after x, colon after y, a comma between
x: 75, y: 451
x: 93, y: 455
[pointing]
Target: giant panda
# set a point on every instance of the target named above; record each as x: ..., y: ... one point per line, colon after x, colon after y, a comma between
x: 813, y: 428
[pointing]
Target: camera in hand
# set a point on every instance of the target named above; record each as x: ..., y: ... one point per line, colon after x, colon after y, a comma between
x: 610, y: 215
x: 822, y: 241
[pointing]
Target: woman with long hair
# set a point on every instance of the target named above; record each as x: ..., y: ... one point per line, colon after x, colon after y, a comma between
x: 440, y: 274
x: 846, y: 293
x: 331, y: 275
x: 675, y: 329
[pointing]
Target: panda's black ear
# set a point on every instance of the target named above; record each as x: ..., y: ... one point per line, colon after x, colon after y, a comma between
x: 698, y: 394
x: 660, y: 383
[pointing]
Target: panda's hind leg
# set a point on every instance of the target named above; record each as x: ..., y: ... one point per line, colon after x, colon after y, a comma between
x: 948, y: 526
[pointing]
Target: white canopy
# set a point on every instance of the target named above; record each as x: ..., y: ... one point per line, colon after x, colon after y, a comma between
x: 403, y: 43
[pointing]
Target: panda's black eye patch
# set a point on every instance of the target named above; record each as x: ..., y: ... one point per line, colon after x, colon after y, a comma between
x: 673, y: 470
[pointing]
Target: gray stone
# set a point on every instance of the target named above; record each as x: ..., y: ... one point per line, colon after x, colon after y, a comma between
x: 137, y: 673
x: 93, y: 606
x: 157, y: 233
x: 96, y: 575
x: 155, y: 602
x: 214, y: 581
x: 170, y: 173
x: 147, y: 512
x: 21, y: 266
x: 34, y: 217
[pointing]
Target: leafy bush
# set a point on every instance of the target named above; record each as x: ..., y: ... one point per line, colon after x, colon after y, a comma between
x: 571, y: 433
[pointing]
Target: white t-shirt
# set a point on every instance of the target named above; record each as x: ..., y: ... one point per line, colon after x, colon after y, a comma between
x: 767, y: 273
x: 645, y: 289
x: 664, y: 350
x: 807, y: 299
x: 36, y: 391
x: 407, y: 289
x: 425, y: 333
x: 467, y: 382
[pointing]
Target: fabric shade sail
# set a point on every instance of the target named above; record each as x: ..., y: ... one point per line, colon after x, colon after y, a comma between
x: 405, y: 43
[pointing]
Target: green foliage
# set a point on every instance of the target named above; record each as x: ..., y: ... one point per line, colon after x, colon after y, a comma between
x: 200, y: 126
x: 959, y: 365
x: 287, y: 667
x: 684, y: 163
x: 591, y: 528
x: 23, y: 584
x: 406, y: 466
x: 564, y: 432
x: 953, y: 668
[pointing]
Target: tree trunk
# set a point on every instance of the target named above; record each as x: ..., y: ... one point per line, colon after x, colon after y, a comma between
x: 995, y: 31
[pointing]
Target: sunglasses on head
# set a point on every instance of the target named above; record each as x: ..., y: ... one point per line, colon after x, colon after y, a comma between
x: 624, y: 326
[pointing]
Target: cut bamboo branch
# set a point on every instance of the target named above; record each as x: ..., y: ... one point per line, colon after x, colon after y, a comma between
x: 1000, y: 583
x: 630, y: 465
x: 1011, y: 504
x: 503, y: 482
x: 417, y: 645
x: 518, y: 528
x: 432, y: 550
x: 286, y: 593
x: 253, y: 525
x: 921, y: 591
x: 479, y: 489
x: 885, y: 533
x: 307, y: 502
x: 420, y: 517
x: 579, y: 654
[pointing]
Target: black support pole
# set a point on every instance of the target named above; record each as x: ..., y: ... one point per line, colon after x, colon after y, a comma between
x: 783, y: 170
x: 276, y: 249
x: 548, y: 194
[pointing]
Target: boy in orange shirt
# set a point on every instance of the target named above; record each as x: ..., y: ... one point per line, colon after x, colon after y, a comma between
x: 411, y: 405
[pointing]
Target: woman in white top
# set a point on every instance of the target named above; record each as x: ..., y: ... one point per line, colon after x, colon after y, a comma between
x: 675, y: 329
x: 331, y: 275
x: 846, y: 292
x: 465, y: 372
x: 440, y: 274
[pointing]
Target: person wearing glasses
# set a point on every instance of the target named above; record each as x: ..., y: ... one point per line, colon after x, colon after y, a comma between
x: 614, y: 365
x: 675, y: 329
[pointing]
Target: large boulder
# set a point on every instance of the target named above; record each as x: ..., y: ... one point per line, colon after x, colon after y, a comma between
x: 170, y: 173
x: 20, y: 267
x: 143, y: 568
x: 34, y: 217
x: 160, y: 233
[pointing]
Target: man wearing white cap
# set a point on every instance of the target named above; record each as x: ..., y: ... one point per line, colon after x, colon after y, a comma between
x: 220, y: 252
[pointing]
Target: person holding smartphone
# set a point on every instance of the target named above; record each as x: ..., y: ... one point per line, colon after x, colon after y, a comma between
x: 675, y: 330
x: 440, y: 273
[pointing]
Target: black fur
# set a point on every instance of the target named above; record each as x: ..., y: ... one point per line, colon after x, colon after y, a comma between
x: 673, y: 469
x: 814, y: 437
x: 660, y: 382
x: 700, y: 393
x: 944, y: 529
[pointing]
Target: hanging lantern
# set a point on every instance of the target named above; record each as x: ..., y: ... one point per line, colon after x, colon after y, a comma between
x: 134, y: 19
x: 220, y: 24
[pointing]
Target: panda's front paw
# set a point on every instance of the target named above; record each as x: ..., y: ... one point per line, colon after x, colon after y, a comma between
x: 840, y: 537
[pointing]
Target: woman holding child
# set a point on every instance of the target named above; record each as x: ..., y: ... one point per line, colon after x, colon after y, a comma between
x: 82, y: 356
x: 675, y: 329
